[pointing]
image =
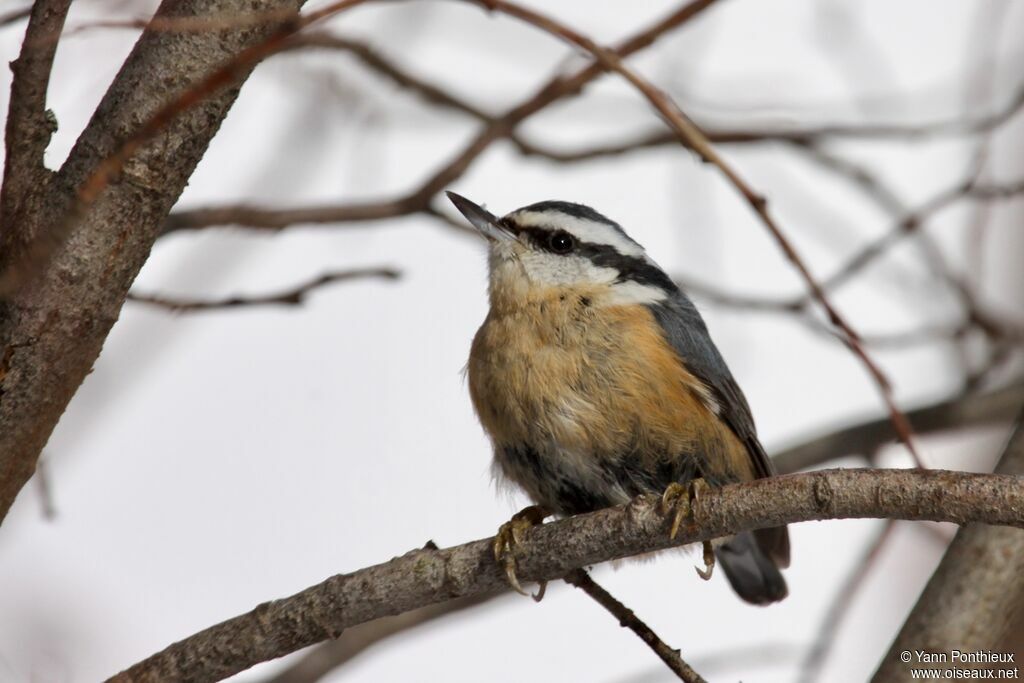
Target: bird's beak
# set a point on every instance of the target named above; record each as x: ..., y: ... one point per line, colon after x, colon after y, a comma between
x: 481, y: 219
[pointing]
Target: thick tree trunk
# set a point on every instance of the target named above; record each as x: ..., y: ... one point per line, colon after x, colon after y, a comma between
x: 54, y: 324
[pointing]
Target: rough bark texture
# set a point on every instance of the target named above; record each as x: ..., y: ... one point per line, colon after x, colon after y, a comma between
x: 548, y: 552
x: 53, y: 326
x: 974, y: 594
x: 29, y: 124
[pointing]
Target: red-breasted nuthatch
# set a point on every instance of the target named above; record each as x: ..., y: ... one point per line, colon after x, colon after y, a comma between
x: 596, y: 379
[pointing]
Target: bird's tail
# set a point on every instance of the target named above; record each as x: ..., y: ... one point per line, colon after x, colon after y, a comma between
x: 751, y: 561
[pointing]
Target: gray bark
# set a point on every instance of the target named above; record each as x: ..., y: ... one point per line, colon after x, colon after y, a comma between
x: 548, y: 552
x: 974, y: 594
x: 53, y: 325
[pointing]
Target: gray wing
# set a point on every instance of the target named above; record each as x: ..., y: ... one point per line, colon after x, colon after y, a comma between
x: 686, y: 332
x: 688, y: 335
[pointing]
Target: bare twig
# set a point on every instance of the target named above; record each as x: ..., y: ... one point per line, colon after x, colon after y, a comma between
x: 692, y: 137
x: 290, y: 297
x: 806, y: 136
x: 227, y: 74
x: 45, y: 488
x: 628, y: 619
x: 810, y: 669
x: 419, y: 199
x: 15, y: 15
x: 53, y: 324
x: 324, y: 658
x: 550, y: 551
x: 960, y: 412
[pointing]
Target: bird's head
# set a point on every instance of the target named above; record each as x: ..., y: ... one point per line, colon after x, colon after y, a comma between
x: 556, y: 247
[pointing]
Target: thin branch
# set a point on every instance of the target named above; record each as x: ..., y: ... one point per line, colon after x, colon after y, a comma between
x: 15, y: 15
x: 692, y: 137
x: 58, y: 311
x: 810, y: 669
x: 960, y: 412
x: 29, y: 126
x: 806, y: 136
x: 375, y: 61
x: 324, y: 658
x: 294, y: 296
x: 45, y: 488
x: 88, y: 192
x: 550, y: 551
x: 628, y: 619
x: 419, y: 199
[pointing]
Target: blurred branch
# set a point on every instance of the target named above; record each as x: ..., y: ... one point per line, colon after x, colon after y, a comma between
x: 693, y: 138
x: 970, y: 599
x: 550, y: 551
x: 324, y: 658
x: 810, y: 669
x: 969, y: 189
x: 375, y: 61
x: 419, y: 199
x: 961, y: 412
x: 45, y: 488
x: 806, y: 136
x: 15, y: 15
x: 290, y: 297
x: 628, y: 619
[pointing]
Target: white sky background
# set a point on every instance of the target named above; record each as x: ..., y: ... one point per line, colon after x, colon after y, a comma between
x: 213, y: 461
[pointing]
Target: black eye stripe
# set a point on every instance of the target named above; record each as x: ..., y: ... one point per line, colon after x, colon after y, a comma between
x: 541, y: 238
x: 630, y: 268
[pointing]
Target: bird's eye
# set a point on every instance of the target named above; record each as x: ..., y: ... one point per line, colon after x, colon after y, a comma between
x: 561, y: 242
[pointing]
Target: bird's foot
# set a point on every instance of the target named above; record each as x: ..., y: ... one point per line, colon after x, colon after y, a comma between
x: 681, y: 499
x: 509, y: 536
x: 697, y: 487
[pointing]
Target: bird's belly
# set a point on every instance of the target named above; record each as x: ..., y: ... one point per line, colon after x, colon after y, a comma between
x: 591, y: 412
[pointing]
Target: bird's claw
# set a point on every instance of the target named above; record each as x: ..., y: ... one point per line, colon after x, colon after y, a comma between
x: 508, y: 537
x: 673, y: 499
x: 682, y: 499
x: 709, y: 562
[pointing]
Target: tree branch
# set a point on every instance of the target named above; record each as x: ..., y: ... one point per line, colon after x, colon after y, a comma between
x: 816, y: 656
x: 418, y: 200
x: 693, y: 138
x: 324, y: 658
x: 973, y: 410
x: 29, y: 125
x: 550, y: 551
x: 972, y: 596
x: 628, y: 619
x: 53, y: 325
x: 290, y: 297
x: 960, y: 412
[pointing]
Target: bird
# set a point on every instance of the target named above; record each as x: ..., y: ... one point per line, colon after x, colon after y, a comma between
x: 596, y: 380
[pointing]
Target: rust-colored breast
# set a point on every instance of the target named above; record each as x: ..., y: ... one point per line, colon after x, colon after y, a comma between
x: 573, y: 380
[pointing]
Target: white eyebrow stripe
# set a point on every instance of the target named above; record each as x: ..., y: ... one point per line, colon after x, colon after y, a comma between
x: 585, y: 230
